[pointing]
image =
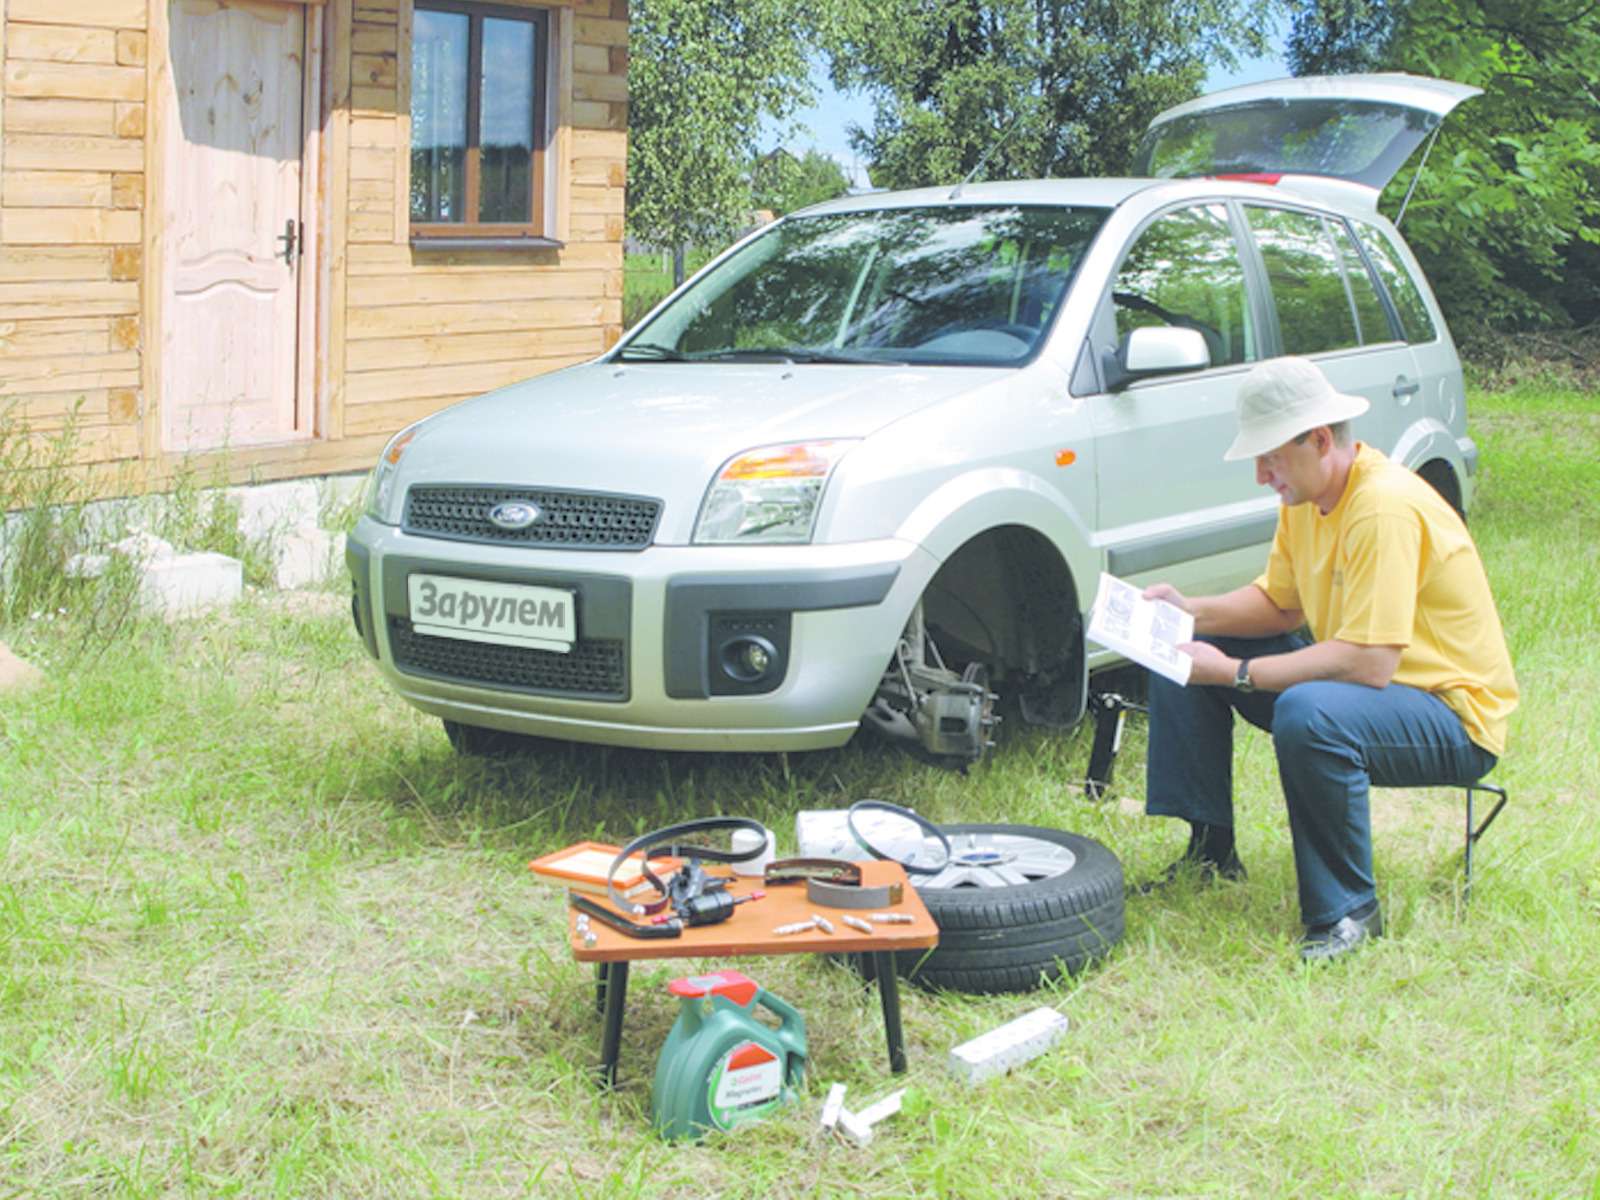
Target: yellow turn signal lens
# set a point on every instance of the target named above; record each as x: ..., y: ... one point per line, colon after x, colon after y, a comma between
x: 802, y: 460
x: 398, y: 447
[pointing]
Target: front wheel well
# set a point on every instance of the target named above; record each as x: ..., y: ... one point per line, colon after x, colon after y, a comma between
x: 1007, y: 598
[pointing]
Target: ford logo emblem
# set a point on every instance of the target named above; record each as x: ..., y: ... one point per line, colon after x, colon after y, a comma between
x: 513, y: 514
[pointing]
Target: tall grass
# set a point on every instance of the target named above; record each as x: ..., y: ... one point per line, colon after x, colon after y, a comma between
x: 262, y: 934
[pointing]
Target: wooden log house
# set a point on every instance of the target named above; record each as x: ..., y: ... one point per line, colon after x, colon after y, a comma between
x: 263, y: 235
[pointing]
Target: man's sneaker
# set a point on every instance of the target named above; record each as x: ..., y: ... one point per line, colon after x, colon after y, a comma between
x: 1203, y: 871
x: 1323, y: 943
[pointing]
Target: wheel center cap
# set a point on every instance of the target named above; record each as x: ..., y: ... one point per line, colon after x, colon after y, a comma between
x: 980, y: 858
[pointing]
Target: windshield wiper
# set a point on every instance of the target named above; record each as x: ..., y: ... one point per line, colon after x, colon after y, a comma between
x: 799, y: 354
x: 650, y: 351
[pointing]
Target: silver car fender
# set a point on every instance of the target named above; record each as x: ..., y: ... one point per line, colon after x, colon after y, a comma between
x: 976, y: 502
x: 1429, y: 440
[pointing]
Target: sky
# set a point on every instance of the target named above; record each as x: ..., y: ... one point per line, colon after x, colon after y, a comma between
x: 826, y: 122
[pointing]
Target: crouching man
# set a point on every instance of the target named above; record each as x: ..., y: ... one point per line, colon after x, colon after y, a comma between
x: 1404, y: 680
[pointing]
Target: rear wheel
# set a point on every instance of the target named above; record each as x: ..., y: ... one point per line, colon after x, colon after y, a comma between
x: 1438, y: 473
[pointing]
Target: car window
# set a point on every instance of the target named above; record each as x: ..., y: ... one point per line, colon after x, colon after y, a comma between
x: 959, y: 285
x: 1306, y: 280
x: 1408, y: 302
x: 1345, y: 137
x: 1184, y: 270
x: 1372, y: 319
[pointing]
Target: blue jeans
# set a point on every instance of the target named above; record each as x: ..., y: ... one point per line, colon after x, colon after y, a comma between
x: 1332, y: 741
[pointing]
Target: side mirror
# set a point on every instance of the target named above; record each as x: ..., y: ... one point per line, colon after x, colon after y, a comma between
x: 1162, y: 349
x: 1156, y: 350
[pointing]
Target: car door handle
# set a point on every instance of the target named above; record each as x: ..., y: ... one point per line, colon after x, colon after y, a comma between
x: 1405, y: 388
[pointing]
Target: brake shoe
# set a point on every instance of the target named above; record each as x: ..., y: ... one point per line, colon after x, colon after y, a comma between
x: 794, y: 870
x: 844, y: 895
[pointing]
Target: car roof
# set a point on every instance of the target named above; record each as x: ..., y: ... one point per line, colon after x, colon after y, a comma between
x: 1089, y: 193
x: 1327, y: 194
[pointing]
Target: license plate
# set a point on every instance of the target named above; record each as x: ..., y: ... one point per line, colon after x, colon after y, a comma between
x: 505, y: 614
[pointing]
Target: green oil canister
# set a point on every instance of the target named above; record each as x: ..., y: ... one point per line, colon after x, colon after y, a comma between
x: 722, y: 1065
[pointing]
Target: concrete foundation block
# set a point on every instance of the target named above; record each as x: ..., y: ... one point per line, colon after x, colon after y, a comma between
x: 189, y: 583
x: 306, y: 556
x: 274, y: 508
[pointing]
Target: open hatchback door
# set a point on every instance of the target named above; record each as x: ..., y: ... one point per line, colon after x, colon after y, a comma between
x: 1360, y: 129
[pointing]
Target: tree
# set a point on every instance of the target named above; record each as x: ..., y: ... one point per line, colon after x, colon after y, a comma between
x: 1339, y: 37
x: 702, y: 74
x: 784, y: 183
x: 1506, y: 218
x: 1041, y: 87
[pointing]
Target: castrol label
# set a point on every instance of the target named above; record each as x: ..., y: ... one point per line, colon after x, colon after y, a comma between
x: 746, y: 1081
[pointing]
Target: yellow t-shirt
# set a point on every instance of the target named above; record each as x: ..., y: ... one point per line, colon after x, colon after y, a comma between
x: 1392, y: 565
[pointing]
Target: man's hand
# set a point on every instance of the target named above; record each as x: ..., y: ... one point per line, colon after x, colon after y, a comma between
x: 1211, y: 666
x: 1165, y: 591
x: 1245, y: 612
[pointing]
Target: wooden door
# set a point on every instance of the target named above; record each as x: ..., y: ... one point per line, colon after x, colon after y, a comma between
x: 230, y: 205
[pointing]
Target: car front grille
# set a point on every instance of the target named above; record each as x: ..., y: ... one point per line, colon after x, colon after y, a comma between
x: 595, y: 669
x: 568, y: 520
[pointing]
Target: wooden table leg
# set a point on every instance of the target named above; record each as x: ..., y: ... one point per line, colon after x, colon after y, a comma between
x: 889, y: 991
x: 616, y: 996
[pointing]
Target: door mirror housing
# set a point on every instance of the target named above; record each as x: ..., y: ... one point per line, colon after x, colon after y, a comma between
x: 1156, y: 350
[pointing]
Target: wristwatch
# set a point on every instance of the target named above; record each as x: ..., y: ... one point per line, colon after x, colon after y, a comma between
x: 1241, y: 677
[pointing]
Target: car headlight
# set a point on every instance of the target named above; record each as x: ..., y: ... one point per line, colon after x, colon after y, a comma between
x: 769, y: 495
x: 380, y: 485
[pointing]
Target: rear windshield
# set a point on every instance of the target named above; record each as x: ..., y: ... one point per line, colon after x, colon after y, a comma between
x: 1360, y: 140
x: 958, y: 286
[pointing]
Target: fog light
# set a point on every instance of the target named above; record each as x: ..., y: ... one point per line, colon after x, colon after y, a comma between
x: 747, y: 658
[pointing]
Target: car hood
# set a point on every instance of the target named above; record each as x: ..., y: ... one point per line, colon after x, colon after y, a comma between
x: 663, y: 429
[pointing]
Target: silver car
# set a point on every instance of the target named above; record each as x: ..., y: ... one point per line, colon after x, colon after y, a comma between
x: 869, y: 463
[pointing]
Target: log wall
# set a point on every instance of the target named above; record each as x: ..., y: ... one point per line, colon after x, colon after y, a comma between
x: 72, y: 160
x: 403, y: 331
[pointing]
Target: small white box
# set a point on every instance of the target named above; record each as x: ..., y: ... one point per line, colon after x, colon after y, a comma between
x: 833, y: 1106
x: 1014, y: 1043
x: 825, y: 833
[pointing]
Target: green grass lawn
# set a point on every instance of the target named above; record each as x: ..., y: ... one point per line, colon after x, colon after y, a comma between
x: 263, y: 935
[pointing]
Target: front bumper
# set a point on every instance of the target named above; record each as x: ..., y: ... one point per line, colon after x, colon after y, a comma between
x: 653, y: 628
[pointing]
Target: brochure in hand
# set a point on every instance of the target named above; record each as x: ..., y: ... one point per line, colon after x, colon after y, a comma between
x: 1147, y: 631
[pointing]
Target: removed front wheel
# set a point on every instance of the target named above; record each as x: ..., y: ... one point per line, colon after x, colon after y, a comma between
x: 1018, y: 905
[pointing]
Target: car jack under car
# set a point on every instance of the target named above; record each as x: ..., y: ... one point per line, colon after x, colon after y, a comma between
x: 920, y: 700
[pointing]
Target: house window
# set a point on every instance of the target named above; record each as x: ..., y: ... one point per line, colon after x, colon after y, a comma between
x: 478, y: 124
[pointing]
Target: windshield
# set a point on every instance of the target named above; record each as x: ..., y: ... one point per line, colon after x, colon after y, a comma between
x: 1366, y: 141
x: 950, y: 285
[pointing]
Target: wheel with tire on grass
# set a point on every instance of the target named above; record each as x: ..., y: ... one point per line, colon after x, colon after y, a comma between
x: 1016, y: 906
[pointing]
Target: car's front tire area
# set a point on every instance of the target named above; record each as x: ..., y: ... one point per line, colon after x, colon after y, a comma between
x: 1000, y: 613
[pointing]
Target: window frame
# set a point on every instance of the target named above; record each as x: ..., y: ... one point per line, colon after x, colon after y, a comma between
x: 1103, y: 339
x: 1360, y: 230
x: 1269, y: 293
x: 533, y: 230
x: 1362, y: 260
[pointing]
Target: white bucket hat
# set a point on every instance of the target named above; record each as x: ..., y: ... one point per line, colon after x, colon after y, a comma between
x: 1282, y: 398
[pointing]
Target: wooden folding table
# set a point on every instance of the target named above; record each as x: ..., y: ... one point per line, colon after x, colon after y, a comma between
x: 748, y: 933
